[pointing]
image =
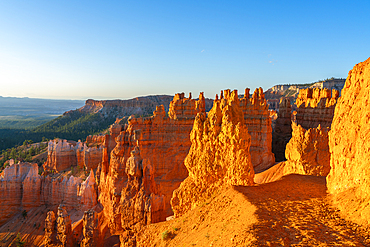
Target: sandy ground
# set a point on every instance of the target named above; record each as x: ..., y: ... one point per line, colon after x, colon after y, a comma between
x: 293, y: 211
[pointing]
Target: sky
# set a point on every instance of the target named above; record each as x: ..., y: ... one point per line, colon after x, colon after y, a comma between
x: 123, y: 49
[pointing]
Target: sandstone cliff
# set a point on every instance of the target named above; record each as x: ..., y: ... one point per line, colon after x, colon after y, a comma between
x: 22, y: 188
x: 283, y: 129
x: 349, y: 143
x: 307, y: 153
x: 219, y: 154
x: 163, y: 142
x: 257, y: 120
x: 316, y: 106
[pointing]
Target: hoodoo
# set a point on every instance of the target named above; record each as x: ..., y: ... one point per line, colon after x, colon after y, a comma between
x: 219, y: 154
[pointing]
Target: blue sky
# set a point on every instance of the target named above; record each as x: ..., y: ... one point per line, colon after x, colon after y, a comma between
x: 123, y: 49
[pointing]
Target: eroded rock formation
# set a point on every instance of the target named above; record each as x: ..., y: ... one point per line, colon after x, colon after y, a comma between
x: 90, y: 229
x: 219, y: 154
x: 316, y: 106
x: 307, y: 153
x: 257, y: 120
x: 349, y: 177
x: 164, y: 143
x: 283, y: 129
x: 58, y: 230
x: 22, y: 188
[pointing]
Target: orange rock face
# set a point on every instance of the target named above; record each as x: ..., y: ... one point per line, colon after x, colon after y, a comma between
x: 257, y: 120
x: 22, y: 188
x: 219, y: 154
x: 307, y: 152
x: 164, y: 143
x: 11, y: 184
x: 61, y: 156
x: 58, y: 230
x: 283, y: 129
x: 316, y: 106
x: 349, y: 177
x: 90, y: 229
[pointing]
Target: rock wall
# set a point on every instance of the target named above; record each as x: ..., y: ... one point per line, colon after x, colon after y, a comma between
x: 307, y: 153
x: 257, y: 120
x: 219, y: 154
x: 63, y: 154
x: 349, y: 177
x: 163, y: 142
x: 22, y: 188
x: 283, y: 129
x: 316, y: 106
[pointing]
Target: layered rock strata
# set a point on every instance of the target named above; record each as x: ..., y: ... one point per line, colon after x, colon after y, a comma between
x: 219, y: 154
x: 316, y: 106
x: 349, y: 177
x: 22, y: 188
x: 164, y: 143
x: 257, y: 120
x: 283, y: 129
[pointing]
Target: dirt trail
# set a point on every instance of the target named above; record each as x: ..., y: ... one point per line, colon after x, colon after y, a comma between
x: 294, y: 211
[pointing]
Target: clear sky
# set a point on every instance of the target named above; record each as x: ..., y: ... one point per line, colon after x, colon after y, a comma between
x: 122, y: 49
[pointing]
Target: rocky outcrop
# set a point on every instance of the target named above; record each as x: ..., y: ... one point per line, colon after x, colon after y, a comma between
x: 307, y: 153
x: 58, y: 230
x: 283, y: 129
x: 90, y: 229
x: 164, y: 143
x: 316, y: 106
x: 219, y: 154
x: 88, y: 192
x: 61, y: 156
x: 22, y: 188
x: 11, y: 189
x: 50, y: 236
x: 257, y: 120
x: 140, y: 202
x: 349, y: 143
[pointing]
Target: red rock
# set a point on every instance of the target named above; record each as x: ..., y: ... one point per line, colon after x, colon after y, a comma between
x: 219, y: 154
x: 307, y: 153
x: 316, y: 106
x: 61, y: 156
x: 50, y: 237
x: 90, y: 229
x: 87, y: 192
x: 258, y: 121
x: 348, y: 180
x: 164, y: 143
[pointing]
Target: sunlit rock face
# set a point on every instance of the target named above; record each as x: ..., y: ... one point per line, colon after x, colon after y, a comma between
x: 283, y: 129
x: 11, y: 184
x: 349, y: 142
x: 257, y: 120
x: 58, y: 229
x: 163, y: 142
x: 22, y: 188
x: 316, y: 106
x: 61, y: 156
x: 219, y: 154
x: 307, y: 152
